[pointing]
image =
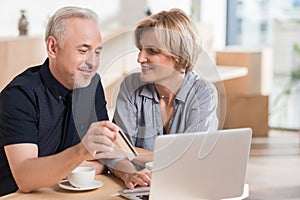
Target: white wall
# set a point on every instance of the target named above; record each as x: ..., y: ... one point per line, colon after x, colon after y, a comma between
x: 112, y: 13
x: 214, y: 12
x: 158, y: 5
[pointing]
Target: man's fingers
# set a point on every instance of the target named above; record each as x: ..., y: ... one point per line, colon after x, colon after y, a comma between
x: 116, y: 153
x: 109, y: 129
x: 101, y: 139
x: 97, y: 148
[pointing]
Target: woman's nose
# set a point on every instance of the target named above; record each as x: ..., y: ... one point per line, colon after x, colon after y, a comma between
x: 141, y: 57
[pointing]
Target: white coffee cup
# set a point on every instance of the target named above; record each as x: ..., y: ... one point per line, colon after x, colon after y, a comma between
x: 82, y: 177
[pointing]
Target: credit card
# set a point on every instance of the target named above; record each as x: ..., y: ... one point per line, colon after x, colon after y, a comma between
x: 126, y: 146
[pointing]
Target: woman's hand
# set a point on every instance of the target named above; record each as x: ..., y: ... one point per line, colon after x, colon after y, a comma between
x: 139, y: 178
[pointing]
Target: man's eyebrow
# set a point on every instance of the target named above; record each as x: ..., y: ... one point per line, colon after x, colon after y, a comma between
x: 88, y: 46
x: 84, y: 45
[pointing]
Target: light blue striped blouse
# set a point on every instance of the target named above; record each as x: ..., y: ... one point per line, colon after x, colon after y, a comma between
x: 138, y: 111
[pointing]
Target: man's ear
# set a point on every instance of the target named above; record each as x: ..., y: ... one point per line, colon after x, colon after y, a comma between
x: 51, y: 46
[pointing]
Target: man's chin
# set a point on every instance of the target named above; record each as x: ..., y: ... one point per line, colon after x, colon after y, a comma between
x: 82, y: 83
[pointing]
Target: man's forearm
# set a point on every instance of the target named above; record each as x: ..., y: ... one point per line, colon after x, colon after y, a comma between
x: 36, y: 172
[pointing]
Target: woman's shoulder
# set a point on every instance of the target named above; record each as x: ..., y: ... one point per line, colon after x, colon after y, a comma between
x: 198, y: 81
x: 200, y: 84
x: 133, y: 77
x: 132, y: 82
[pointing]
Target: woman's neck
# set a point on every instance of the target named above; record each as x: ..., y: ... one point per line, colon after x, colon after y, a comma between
x: 166, y: 94
x: 169, y: 88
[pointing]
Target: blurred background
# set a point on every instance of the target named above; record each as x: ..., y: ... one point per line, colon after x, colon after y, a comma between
x: 253, y: 43
x: 261, y: 35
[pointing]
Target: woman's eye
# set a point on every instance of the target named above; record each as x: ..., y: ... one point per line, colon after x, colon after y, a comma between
x: 153, y: 51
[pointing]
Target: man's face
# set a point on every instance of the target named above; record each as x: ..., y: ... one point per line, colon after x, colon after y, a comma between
x: 77, y: 58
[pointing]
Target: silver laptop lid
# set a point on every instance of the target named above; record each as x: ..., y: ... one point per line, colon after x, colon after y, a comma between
x: 200, y: 165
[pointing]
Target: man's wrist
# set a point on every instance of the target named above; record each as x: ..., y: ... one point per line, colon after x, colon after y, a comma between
x: 82, y: 152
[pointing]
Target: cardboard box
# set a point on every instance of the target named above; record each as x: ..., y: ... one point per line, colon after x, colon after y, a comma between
x: 248, y: 111
x: 258, y: 62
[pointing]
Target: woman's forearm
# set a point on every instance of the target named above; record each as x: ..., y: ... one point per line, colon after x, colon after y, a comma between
x: 143, y: 156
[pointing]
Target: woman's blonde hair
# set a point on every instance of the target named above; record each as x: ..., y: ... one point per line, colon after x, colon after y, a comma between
x: 176, y: 34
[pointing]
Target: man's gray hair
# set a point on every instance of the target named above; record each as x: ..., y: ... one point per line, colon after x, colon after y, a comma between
x: 56, y: 23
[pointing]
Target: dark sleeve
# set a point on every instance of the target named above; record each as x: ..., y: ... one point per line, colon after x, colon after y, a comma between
x: 100, y: 102
x: 18, y: 117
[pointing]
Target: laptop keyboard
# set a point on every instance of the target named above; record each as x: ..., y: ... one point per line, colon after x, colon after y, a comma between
x: 141, y: 193
x: 143, y: 197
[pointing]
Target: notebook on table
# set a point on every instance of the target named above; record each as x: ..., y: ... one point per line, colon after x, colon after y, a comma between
x: 198, y: 166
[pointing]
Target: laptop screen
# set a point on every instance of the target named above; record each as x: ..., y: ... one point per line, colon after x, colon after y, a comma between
x: 200, y: 165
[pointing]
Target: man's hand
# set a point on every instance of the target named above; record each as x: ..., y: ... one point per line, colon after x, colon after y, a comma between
x: 100, y: 168
x: 117, y: 152
x: 99, y: 138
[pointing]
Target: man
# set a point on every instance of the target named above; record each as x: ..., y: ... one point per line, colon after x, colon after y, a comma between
x: 42, y: 139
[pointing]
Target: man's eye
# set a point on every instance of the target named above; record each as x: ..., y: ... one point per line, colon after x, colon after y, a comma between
x: 83, y: 51
x: 97, y: 52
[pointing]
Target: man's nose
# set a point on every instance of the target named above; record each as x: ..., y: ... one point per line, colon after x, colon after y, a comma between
x: 93, y: 60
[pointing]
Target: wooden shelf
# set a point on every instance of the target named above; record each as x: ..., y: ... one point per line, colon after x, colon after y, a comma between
x: 17, y: 54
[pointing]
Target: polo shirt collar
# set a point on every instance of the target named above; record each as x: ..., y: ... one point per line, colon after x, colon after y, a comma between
x: 55, y: 87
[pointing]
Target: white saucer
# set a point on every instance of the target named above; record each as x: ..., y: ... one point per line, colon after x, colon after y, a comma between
x: 94, y: 185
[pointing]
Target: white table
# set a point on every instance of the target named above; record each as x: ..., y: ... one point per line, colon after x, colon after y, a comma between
x: 222, y: 73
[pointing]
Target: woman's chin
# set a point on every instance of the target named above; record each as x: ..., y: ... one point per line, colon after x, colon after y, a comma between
x: 146, y: 78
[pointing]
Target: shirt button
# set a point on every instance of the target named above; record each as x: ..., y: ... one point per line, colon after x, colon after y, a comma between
x: 81, y: 127
x: 60, y: 97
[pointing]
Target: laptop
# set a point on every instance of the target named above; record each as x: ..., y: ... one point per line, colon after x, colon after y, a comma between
x: 198, y: 166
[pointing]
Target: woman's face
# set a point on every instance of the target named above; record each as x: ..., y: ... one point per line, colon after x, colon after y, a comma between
x: 157, y: 65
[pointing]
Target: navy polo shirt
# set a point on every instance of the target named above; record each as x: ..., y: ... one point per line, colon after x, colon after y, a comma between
x: 36, y: 108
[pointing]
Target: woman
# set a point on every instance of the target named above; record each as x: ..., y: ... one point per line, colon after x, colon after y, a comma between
x: 165, y: 97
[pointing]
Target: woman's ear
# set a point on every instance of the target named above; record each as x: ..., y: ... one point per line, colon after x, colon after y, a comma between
x: 51, y: 46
